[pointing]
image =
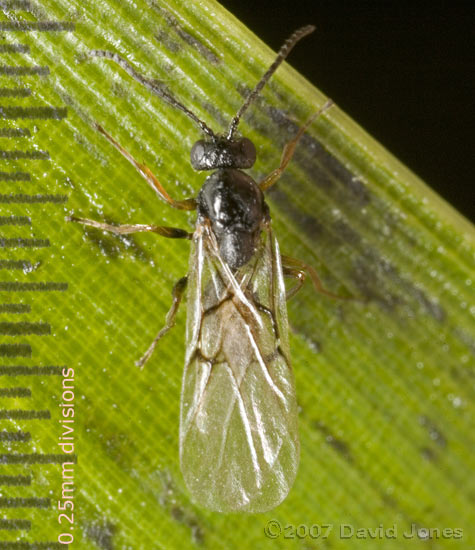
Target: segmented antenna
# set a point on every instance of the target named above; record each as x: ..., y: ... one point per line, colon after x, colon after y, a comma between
x: 283, y: 53
x: 153, y: 86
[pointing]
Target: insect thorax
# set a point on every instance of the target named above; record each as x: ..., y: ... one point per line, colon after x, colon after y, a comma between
x: 234, y: 205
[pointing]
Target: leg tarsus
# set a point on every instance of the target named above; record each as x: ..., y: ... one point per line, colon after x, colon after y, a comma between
x: 297, y: 274
x: 299, y: 270
x: 289, y: 149
x: 127, y: 229
x: 177, y: 294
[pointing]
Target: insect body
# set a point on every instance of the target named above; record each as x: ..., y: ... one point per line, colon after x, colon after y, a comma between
x: 239, y: 447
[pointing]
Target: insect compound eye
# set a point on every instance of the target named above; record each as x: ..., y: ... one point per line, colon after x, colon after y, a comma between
x: 247, y: 152
x: 223, y: 153
x: 198, y: 155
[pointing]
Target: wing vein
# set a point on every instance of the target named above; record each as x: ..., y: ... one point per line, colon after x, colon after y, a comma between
x: 245, y: 421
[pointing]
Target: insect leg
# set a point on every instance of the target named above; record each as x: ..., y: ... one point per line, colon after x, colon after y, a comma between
x: 289, y: 150
x: 299, y: 270
x: 126, y: 229
x: 296, y: 274
x: 177, y: 294
x: 147, y: 174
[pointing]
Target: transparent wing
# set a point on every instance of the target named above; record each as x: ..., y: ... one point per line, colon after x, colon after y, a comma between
x: 239, y: 447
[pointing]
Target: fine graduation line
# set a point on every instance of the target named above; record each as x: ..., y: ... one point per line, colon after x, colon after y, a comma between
x: 14, y: 48
x: 20, y: 198
x: 15, y: 132
x: 15, y: 308
x: 18, y: 242
x: 13, y: 113
x: 12, y: 70
x: 19, y: 480
x: 14, y: 5
x: 15, y: 176
x: 23, y: 328
x: 42, y: 26
x: 37, y: 458
x: 13, y: 392
x: 15, y: 524
x: 18, y: 436
x: 48, y: 286
x: 23, y: 370
x: 24, y: 265
x: 15, y: 220
x: 22, y: 414
x: 29, y: 155
x: 51, y: 545
x: 31, y: 502
x: 15, y: 92
x: 15, y: 350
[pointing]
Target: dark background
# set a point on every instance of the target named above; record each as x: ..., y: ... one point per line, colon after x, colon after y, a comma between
x: 405, y: 73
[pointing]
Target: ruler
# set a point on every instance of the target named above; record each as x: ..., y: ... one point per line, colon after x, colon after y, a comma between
x: 37, y: 458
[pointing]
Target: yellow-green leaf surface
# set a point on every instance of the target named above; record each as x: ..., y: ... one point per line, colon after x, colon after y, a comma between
x: 385, y: 382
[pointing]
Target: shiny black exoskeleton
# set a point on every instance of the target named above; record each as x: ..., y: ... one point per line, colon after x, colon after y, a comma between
x: 230, y: 199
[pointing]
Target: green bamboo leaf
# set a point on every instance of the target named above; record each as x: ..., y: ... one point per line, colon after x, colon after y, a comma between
x: 385, y: 382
